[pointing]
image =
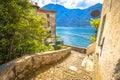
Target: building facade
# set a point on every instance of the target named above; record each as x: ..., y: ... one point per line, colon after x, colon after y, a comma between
x: 50, y: 17
x: 108, y: 42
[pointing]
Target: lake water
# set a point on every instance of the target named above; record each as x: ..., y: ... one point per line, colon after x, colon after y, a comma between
x: 76, y: 36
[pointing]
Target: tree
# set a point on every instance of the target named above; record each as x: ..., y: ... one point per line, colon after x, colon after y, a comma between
x: 95, y: 23
x: 21, y: 31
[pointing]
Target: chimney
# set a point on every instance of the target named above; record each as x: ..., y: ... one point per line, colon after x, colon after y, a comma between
x: 36, y: 3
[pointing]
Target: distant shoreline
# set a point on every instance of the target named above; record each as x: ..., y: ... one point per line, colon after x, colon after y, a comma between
x: 74, y: 27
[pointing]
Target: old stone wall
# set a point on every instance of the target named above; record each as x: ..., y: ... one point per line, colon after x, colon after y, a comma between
x: 78, y: 49
x: 51, y: 21
x: 108, y: 41
x: 91, y: 48
x: 17, y: 69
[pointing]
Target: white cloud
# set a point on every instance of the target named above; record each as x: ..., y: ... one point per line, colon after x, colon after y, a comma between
x: 87, y: 3
x: 70, y: 3
x: 44, y: 2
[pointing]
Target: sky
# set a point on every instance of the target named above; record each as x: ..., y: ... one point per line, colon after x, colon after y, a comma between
x: 72, y: 4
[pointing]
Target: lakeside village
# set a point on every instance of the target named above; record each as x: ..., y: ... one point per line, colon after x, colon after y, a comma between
x: 31, y: 50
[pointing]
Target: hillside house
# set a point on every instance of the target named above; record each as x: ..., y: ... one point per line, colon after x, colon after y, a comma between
x: 50, y: 17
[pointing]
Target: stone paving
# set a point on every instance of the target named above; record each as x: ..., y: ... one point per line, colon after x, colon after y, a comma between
x: 67, y: 69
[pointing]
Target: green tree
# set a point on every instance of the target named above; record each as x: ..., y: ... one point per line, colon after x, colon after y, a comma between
x: 95, y: 23
x: 21, y: 30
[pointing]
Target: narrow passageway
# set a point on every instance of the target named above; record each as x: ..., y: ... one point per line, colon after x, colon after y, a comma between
x: 67, y: 69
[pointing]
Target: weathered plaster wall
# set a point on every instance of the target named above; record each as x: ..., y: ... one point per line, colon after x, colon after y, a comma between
x: 17, y: 69
x: 108, y: 41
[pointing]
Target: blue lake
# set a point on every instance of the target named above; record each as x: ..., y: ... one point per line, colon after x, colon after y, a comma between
x: 76, y: 36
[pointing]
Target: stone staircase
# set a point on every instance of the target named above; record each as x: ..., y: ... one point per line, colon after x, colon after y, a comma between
x: 67, y: 69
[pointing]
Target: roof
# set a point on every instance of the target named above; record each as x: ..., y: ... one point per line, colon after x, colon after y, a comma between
x: 43, y: 10
x: 35, y: 6
x: 46, y: 11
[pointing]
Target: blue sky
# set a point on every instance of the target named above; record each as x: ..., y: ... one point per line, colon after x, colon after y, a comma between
x: 82, y: 4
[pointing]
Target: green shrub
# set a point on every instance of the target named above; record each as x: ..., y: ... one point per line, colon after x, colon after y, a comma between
x: 21, y: 30
x: 95, y: 23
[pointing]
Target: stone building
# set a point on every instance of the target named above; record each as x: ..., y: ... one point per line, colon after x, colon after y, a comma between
x: 108, y: 42
x: 50, y: 17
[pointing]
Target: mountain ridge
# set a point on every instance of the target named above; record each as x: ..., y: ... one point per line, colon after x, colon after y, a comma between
x: 73, y: 17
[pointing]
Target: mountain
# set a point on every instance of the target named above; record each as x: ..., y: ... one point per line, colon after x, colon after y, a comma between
x: 72, y: 17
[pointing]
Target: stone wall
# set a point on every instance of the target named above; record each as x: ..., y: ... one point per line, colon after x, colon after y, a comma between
x: 91, y: 49
x: 78, y: 49
x: 17, y: 69
x: 108, y: 41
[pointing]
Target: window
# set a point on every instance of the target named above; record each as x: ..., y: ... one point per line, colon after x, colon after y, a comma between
x: 101, y: 45
x: 48, y: 24
x: 101, y: 30
x: 48, y: 15
x: 110, y: 4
